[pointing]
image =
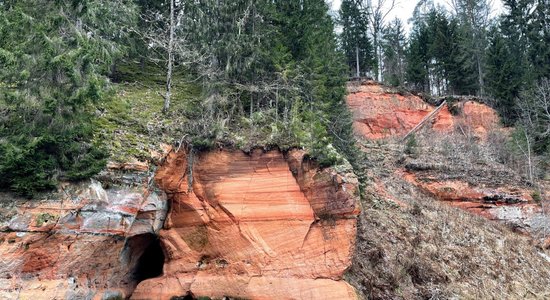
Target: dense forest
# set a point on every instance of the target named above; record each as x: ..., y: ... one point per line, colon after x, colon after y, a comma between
x: 460, y: 50
x: 268, y: 73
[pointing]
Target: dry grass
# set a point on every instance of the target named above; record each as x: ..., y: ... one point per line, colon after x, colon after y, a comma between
x: 424, y: 249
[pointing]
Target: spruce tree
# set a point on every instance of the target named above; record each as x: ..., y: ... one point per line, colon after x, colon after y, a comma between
x: 418, y: 59
x: 504, y: 76
x: 394, y: 53
x: 54, y: 56
x: 355, y: 41
x: 473, y: 20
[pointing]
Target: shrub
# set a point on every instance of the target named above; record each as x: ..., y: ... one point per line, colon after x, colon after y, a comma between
x: 537, y: 197
x: 411, y: 147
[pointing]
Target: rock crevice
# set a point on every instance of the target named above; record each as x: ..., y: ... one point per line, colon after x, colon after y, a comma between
x: 259, y: 226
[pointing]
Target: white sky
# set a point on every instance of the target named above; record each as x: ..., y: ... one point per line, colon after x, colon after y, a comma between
x: 404, y: 8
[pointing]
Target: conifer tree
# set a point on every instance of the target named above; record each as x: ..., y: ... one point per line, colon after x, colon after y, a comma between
x: 355, y: 41
x: 54, y: 56
x: 504, y: 76
x: 418, y: 59
x: 394, y: 53
x: 473, y: 19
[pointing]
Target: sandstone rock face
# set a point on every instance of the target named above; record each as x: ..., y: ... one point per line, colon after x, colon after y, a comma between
x: 511, y: 204
x: 380, y: 112
x: 478, y: 117
x: 258, y: 226
x: 487, y: 189
x: 77, y: 243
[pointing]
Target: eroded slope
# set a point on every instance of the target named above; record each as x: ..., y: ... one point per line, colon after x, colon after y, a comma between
x: 412, y: 243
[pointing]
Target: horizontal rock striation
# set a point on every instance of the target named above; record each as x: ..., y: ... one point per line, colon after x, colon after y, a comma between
x: 507, y: 203
x: 77, y: 243
x: 257, y: 226
x: 380, y: 112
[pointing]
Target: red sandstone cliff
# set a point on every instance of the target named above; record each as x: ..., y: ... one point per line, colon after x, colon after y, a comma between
x: 257, y: 226
x: 382, y: 112
x: 268, y: 225
x: 453, y: 162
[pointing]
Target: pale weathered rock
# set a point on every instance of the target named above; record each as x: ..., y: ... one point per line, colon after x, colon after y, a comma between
x: 503, y: 203
x: 74, y: 244
x: 255, y: 226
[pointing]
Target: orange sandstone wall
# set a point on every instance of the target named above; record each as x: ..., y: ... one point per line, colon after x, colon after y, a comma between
x: 258, y: 226
x: 380, y: 112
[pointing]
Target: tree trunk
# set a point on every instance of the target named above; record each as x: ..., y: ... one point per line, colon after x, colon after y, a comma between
x: 378, y: 62
x: 480, y: 74
x: 379, y: 53
x: 358, y: 73
x: 168, y: 95
x: 529, y: 160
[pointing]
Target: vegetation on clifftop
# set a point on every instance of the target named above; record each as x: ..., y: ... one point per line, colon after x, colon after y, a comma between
x: 83, y: 82
x: 53, y: 55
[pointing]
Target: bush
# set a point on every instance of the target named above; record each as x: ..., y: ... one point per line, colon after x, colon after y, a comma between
x: 411, y: 147
x: 33, y: 165
x: 537, y: 197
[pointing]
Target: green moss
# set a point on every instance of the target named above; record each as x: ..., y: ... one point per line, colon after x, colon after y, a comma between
x: 131, y: 123
x: 44, y: 218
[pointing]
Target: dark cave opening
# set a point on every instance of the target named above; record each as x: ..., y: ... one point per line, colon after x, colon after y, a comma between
x: 151, y: 262
x: 189, y: 296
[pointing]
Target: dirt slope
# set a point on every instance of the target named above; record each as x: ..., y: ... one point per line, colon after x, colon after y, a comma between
x: 428, y: 228
x: 412, y: 246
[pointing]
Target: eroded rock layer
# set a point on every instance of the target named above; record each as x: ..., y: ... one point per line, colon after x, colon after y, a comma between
x: 258, y: 226
x: 82, y: 242
x: 445, y: 169
x: 380, y: 112
x: 508, y: 203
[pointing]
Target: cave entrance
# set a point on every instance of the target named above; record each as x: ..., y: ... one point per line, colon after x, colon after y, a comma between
x: 150, y: 263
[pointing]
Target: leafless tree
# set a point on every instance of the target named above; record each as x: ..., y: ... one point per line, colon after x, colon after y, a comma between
x: 534, y: 107
x: 169, y: 42
x: 170, y: 63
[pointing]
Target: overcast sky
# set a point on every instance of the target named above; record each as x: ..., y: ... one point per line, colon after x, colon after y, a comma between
x: 404, y: 8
